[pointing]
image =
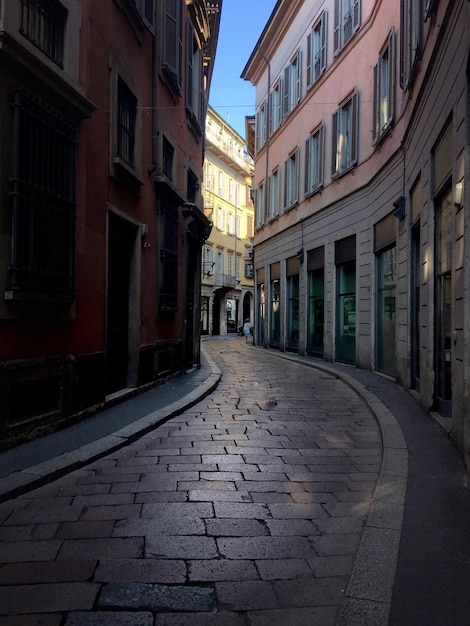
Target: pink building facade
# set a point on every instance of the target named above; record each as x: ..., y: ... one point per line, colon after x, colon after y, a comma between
x: 361, y: 153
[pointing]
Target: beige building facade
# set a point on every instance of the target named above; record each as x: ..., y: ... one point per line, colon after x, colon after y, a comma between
x: 361, y: 154
x: 227, y: 285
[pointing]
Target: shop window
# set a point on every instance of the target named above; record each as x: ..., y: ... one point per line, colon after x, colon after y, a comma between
x: 293, y: 318
x: 316, y: 301
x: 275, y: 312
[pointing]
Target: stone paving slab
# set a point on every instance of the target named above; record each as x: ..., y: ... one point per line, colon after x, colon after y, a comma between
x: 263, y: 503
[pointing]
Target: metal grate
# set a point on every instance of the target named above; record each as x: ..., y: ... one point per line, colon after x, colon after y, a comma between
x: 127, y: 112
x: 43, y: 23
x: 43, y: 195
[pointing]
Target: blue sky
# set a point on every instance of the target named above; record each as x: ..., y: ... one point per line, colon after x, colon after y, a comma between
x: 241, y: 25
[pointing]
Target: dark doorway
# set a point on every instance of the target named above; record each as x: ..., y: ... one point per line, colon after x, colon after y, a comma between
x: 121, y: 238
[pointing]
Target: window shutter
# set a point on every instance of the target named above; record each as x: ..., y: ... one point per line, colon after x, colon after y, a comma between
x: 298, y: 85
x: 286, y: 93
x: 171, y: 36
x: 309, y: 59
x: 337, y: 27
x: 189, y: 66
x: 297, y: 174
x: 356, y: 15
x: 258, y: 130
x: 355, y: 128
x: 324, y: 37
x: 307, y: 165
x: 286, y: 177
x: 321, y: 155
x: 375, y: 104
x: 391, y: 75
x: 334, y: 147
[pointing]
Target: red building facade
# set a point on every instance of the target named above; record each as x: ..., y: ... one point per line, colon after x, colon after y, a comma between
x: 102, y: 110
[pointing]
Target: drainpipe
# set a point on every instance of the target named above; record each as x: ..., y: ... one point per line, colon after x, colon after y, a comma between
x: 153, y: 165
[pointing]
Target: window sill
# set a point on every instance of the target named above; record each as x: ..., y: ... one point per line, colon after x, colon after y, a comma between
x: 27, y: 296
x: 349, y: 168
x: 126, y: 175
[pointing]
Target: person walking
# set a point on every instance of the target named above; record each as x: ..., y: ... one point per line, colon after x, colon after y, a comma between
x: 247, y: 329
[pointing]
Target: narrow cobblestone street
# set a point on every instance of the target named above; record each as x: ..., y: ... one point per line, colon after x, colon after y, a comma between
x: 246, y: 509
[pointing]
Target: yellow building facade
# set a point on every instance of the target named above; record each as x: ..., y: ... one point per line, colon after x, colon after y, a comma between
x: 227, y: 286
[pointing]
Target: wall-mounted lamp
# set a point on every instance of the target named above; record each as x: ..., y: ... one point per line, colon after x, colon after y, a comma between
x: 400, y: 211
x: 300, y: 255
x: 458, y: 194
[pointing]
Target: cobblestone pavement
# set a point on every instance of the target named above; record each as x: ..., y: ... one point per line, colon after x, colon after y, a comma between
x: 246, y: 509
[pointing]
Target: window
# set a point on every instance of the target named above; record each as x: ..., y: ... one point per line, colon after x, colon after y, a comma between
x: 230, y: 265
x: 384, y: 89
x: 292, y: 334
x: 192, y: 186
x: 220, y: 179
x: 220, y: 218
x: 43, y: 23
x: 291, y: 180
x: 275, y: 113
x: 239, y: 226
x: 249, y: 226
x: 261, y: 127
x: 220, y: 266
x: 237, y: 268
x: 259, y: 206
x: 168, y: 157
x: 411, y: 39
x: 146, y: 10
x: 316, y: 49
x: 292, y: 84
x: 231, y: 224
x: 429, y: 8
x: 347, y: 22
x: 314, y: 153
x: 195, y: 97
x: 273, y: 210
x: 208, y: 262
x: 345, y: 136
x: 43, y: 200
x: 232, y: 195
x: 173, y: 42
x: 209, y: 177
x: 127, y: 112
x: 169, y: 260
